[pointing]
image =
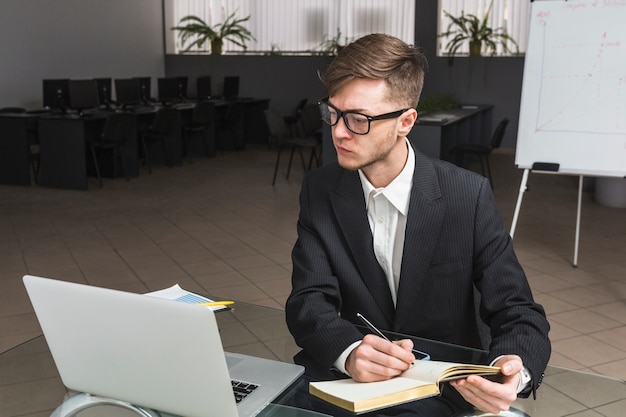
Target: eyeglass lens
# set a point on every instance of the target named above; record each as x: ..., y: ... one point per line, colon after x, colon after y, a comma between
x: 356, y: 122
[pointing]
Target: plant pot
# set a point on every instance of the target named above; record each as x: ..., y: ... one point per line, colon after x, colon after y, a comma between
x: 475, y: 48
x: 216, y: 47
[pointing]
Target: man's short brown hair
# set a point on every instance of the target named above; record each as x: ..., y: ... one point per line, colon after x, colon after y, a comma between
x: 380, y: 57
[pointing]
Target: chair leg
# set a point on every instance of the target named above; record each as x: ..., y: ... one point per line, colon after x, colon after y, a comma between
x: 123, y: 160
x: 146, y: 157
x: 276, y: 166
x: 168, y: 159
x: 293, y: 149
x: 312, y: 157
x: 205, y: 141
x: 318, y: 156
x: 482, y: 166
x: 302, y: 159
x: 34, y: 165
x: 460, y: 159
x: 187, y: 141
x: 488, y: 170
x: 114, y: 156
x: 96, y: 165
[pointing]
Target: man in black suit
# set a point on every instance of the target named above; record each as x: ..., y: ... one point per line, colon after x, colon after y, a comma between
x: 405, y: 240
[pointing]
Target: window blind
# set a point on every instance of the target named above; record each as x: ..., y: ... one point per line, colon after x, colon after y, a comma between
x: 288, y: 26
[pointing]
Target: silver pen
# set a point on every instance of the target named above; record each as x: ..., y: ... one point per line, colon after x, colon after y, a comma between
x: 418, y: 353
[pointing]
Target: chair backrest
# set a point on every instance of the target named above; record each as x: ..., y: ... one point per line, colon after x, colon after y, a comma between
x: 203, y: 112
x: 498, y: 134
x: 276, y: 125
x: 163, y: 120
x: 311, y: 120
x: 234, y: 111
x: 300, y: 106
x: 117, y: 127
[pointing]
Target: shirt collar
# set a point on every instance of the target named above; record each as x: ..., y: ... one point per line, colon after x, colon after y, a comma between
x: 399, y: 190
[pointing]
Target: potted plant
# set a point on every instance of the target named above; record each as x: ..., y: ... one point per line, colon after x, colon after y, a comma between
x: 332, y: 46
x: 480, y: 36
x: 199, y: 32
x: 437, y: 103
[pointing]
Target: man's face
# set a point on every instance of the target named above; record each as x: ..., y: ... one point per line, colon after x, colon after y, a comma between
x: 374, y: 148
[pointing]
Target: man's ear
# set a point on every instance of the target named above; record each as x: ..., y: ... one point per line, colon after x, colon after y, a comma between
x: 407, y: 120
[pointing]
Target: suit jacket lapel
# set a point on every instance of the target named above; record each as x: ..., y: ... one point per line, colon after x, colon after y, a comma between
x: 349, y: 205
x: 424, y: 221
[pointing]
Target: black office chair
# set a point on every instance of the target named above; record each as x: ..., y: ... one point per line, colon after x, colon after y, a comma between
x: 117, y: 128
x: 481, y: 151
x: 202, y: 118
x: 158, y: 132
x: 279, y: 134
x: 230, y: 127
x: 294, y: 119
x: 311, y: 121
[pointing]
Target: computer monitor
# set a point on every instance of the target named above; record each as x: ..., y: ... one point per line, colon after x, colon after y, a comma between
x: 104, y: 86
x: 231, y: 87
x: 168, y: 89
x: 182, y: 87
x: 203, y: 87
x: 83, y: 95
x: 127, y: 91
x: 56, y: 93
x: 145, y: 84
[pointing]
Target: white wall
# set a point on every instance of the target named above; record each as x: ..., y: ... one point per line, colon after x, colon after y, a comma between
x: 76, y: 39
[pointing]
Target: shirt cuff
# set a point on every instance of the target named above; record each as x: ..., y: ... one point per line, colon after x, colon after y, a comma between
x: 525, y: 377
x: 340, y: 363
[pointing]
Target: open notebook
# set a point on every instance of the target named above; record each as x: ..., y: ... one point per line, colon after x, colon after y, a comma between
x: 151, y: 352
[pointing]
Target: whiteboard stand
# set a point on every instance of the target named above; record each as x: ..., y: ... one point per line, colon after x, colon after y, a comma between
x: 518, y: 205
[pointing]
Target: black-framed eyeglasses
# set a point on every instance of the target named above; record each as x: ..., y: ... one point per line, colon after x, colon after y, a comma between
x: 357, y: 123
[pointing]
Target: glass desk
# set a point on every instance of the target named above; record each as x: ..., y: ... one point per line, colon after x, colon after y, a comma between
x: 30, y: 385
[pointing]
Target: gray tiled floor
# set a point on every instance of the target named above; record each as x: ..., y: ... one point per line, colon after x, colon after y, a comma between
x: 218, y: 226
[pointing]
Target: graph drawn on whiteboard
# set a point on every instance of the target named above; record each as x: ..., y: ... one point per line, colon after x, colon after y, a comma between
x: 573, y: 109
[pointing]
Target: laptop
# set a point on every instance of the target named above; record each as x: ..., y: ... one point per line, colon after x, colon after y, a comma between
x: 151, y: 352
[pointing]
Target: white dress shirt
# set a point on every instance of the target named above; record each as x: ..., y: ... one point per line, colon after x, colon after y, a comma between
x: 387, y: 209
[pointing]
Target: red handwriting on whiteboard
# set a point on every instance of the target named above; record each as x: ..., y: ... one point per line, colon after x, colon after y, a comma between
x: 575, y: 5
x: 542, y: 17
x: 614, y: 3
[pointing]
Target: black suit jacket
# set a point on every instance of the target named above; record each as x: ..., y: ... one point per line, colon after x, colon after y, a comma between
x: 455, y: 246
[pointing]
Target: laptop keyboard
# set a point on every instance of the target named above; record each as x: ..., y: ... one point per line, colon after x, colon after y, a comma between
x: 242, y: 389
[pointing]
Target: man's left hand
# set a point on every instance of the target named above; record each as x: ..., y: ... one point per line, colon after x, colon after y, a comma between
x: 490, y: 396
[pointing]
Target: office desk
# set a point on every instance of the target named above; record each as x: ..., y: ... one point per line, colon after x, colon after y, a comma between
x: 30, y: 385
x: 253, y: 128
x: 14, y: 148
x: 436, y: 133
x: 65, y: 157
x: 63, y: 149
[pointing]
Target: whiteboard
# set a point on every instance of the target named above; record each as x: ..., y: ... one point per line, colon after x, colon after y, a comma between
x: 573, y: 105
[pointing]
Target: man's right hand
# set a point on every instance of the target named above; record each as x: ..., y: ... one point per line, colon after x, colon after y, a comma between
x: 377, y: 359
